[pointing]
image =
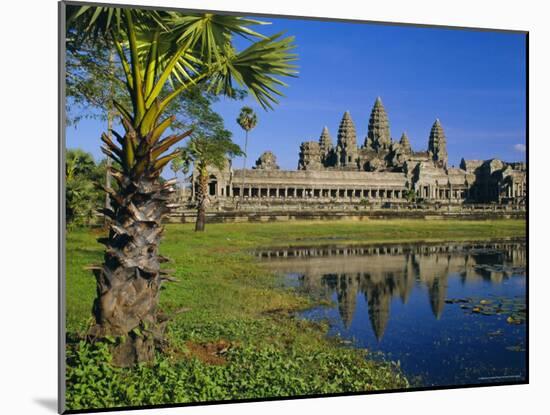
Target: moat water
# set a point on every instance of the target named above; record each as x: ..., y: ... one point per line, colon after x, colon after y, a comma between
x: 450, y: 314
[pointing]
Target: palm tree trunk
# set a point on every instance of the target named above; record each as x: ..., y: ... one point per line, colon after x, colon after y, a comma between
x: 129, y: 280
x: 201, y: 201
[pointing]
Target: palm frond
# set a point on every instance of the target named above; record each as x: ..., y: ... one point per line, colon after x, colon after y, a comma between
x: 257, y: 68
x: 101, y: 20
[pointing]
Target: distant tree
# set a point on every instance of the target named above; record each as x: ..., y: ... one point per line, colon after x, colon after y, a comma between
x: 247, y: 120
x: 176, y: 166
x: 93, y: 82
x: 411, y: 195
x: 93, y: 79
x: 204, y: 121
x: 82, y: 198
x: 210, y: 146
x: 204, y: 152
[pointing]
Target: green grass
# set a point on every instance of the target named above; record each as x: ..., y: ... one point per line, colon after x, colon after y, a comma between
x: 234, y: 300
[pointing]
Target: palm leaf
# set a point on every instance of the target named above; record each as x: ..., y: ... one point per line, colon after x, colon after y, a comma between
x: 102, y: 20
x: 257, y: 68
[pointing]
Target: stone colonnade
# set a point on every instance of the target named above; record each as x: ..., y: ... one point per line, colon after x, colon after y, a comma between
x: 514, y: 190
x: 446, y: 192
x: 313, y: 192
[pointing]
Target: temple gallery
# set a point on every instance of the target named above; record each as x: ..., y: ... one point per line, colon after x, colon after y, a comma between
x: 380, y: 171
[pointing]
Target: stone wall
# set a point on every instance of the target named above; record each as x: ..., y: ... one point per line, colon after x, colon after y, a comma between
x: 271, y: 214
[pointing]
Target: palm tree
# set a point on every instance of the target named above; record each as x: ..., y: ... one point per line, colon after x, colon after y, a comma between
x: 247, y: 120
x: 162, y: 54
x: 205, y: 152
x: 81, y: 174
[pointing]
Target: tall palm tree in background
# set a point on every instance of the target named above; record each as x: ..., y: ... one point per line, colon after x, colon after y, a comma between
x: 247, y: 120
x: 204, y: 152
x: 162, y: 54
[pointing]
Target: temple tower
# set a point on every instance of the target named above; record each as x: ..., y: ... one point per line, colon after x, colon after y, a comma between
x: 346, y: 148
x: 325, y: 141
x: 310, y: 156
x: 378, y: 136
x: 405, y: 144
x: 437, y: 144
x: 267, y: 161
x: 327, y: 151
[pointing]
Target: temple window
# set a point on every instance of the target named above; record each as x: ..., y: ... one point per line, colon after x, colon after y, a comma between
x: 212, y: 185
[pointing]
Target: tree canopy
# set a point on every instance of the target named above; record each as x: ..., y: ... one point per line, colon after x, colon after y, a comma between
x: 82, y: 196
x: 247, y: 119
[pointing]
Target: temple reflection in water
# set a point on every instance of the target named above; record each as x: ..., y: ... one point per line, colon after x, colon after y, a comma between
x: 381, y: 273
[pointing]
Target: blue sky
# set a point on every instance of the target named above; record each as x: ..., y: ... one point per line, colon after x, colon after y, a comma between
x: 473, y: 81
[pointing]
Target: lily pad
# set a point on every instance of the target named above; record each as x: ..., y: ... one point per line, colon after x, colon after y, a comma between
x: 517, y: 348
x: 512, y: 320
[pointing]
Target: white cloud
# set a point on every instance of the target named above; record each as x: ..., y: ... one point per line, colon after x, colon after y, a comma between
x: 520, y: 148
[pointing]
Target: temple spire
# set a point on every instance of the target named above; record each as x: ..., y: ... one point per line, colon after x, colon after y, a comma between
x: 325, y: 141
x: 379, y: 127
x: 405, y: 143
x: 437, y: 143
x: 347, y: 141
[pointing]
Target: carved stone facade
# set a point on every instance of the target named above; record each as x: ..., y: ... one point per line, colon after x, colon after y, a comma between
x: 382, y: 170
x: 267, y: 161
x: 310, y: 156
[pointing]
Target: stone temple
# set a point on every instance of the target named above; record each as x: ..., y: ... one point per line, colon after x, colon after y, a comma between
x: 379, y: 171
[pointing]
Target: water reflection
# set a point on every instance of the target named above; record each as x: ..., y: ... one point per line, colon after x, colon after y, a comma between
x: 382, y: 273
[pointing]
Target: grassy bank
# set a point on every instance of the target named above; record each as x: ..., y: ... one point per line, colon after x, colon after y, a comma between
x: 239, y: 338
